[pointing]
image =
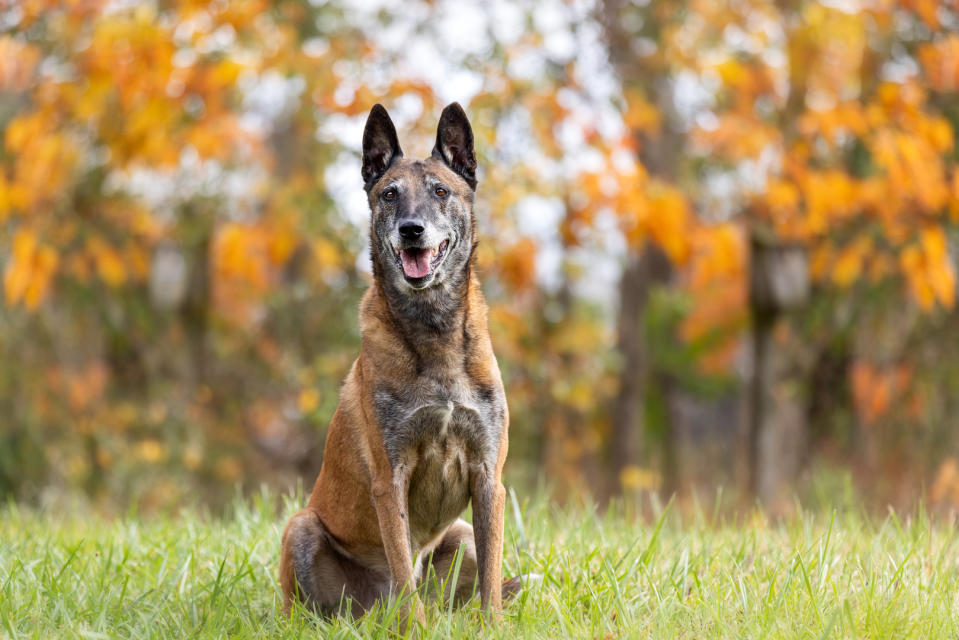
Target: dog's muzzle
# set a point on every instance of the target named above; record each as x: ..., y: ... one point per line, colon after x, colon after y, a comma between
x: 418, y: 263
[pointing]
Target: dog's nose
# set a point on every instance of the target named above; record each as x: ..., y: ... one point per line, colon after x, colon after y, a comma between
x: 411, y: 230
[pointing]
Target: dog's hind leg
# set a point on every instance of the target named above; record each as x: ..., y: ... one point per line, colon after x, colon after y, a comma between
x: 315, y: 573
x: 442, y: 562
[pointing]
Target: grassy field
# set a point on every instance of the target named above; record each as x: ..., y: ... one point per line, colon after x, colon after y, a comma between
x: 823, y: 575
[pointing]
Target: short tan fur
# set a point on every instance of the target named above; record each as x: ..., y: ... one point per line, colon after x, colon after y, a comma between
x: 421, y: 426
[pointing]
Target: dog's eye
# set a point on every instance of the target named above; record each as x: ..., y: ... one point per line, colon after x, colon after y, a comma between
x: 390, y: 194
x: 440, y: 192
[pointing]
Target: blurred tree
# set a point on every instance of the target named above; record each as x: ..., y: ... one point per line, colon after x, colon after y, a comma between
x: 160, y: 180
x: 817, y: 120
x: 805, y: 117
x: 183, y: 230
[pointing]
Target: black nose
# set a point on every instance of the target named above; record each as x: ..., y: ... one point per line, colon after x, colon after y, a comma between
x: 411, y: 230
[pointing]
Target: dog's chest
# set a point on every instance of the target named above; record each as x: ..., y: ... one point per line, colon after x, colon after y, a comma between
x: 438, y: 435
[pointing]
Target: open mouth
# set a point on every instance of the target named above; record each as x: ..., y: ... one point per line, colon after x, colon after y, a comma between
x: 419, y: 262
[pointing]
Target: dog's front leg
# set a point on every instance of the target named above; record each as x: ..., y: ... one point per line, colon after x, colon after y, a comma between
x: 489, y: 500
x: 390, y: 501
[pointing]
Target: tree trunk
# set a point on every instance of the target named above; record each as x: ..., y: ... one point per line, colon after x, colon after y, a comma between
x: 629, y: 406
x: 829, y: 414
x: 672, y: 473
x: 627, y: 426
x: 762, y: 481
x: 196, y: 309
x: 661, y: 155
x: 778, y: 281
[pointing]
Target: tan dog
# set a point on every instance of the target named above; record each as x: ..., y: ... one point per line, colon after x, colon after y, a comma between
x: 421, y: 427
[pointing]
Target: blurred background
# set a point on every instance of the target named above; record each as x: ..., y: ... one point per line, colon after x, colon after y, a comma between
x: 719, y: 239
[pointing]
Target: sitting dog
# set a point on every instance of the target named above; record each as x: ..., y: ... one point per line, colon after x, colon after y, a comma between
x: 421, y: 426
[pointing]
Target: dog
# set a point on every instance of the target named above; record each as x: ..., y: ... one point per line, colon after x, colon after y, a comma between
x: 421, y: 426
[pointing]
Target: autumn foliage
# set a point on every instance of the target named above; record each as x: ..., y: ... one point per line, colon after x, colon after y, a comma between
x: 183, y: 229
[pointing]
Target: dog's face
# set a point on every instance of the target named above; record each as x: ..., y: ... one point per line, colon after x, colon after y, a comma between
x: 422, y: 210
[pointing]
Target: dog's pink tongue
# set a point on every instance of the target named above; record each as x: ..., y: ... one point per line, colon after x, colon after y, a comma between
x: 416, y: 264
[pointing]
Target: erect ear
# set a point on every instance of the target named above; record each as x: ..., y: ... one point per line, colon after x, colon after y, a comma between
x: 454, y: 143
x: 380, y: 145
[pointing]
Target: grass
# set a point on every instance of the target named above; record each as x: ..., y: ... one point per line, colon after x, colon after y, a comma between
x: 814, y: 575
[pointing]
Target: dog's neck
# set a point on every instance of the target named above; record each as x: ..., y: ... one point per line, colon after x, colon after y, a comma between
x: 435, y: 314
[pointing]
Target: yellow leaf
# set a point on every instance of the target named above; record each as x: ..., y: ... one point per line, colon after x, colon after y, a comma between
x: 782, y: 195
x: 280, y: 245
x: 933, y: 242
x: 668, y: 224
x: 640, y: 114
x: 847, y: 268
x: 636, y: 478
x: 30, y: 270
x: 325, y: 252
x: 152, y: 451
x: 108, y: 263
x: 308, y: 400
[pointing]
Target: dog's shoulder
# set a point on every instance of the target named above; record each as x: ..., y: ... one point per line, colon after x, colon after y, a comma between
x: 384, y: 350
x: 478, y: 358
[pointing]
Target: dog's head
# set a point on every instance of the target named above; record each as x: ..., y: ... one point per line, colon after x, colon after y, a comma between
x: 422, y: 210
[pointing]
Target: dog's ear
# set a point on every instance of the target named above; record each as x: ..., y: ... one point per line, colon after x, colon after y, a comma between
x: 454, y: 143
x: 380, y: 145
